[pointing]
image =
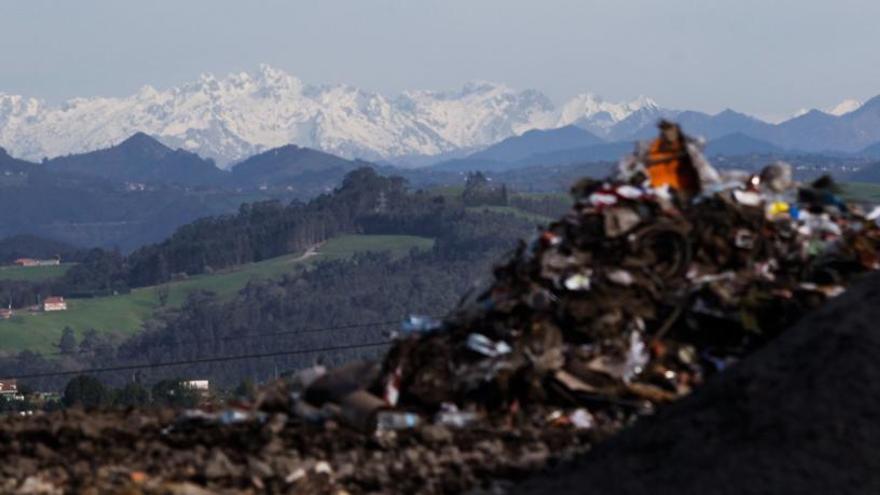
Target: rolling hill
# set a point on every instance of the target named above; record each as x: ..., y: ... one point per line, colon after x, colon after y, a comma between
x: 124, y: 314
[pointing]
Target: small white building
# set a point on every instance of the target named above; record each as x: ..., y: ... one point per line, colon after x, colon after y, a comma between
x: 54, y: 304
x: 200, y: 386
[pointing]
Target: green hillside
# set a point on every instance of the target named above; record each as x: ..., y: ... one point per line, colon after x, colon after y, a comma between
x: 125, y: 314
x: 33, y: 273
x: 861, y: 191
x: 512, y: 210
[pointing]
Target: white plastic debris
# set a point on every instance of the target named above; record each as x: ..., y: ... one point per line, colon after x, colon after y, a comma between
x: 744, y: 239
x: 451, y: 415
x: 748, y: 198
x: 629, y: 192
x: 392, y: 387
x: 484, y: 345
x: 621, y: 277
x: 582, y: 419
x: 636, y: 357
x: 323, y: 467
x: 602, y: 199
x: 419, y: 324
x: 396, y: 420
x: 578, y: 281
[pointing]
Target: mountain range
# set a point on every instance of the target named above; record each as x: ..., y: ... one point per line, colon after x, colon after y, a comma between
x: 140, y: 190
x: 231, y: 118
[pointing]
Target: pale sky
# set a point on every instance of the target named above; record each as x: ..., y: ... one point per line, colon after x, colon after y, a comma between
x: 765, y: 57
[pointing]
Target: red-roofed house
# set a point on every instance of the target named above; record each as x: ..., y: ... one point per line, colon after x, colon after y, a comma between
x: 34, y: 262
x: 54, y: 304
x: 8, y: 387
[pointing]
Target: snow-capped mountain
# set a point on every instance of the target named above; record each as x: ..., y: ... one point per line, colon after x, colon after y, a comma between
x: 237, y: 116
x: 598, y: 116
x: 845, y: 107
x: 842, y: 108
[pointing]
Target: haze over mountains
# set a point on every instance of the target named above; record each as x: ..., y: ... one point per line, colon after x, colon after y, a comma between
x: 229, y: 119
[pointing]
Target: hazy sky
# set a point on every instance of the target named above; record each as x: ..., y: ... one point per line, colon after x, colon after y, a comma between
x: 766, y: 57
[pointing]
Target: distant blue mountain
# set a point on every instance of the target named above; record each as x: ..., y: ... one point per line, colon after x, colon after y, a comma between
x: 141, y: 158
x: 817, y: 131
x: 740, y: 144
x: 10, y: 165
x: 702, y: 124
x: 289, y: 164
x: 814, y: 131
x: 513, y: 152
x: 596, y: 153
x: 873, y: 150
x: 537, y: 141
x: 641, y: 124
x: 731, y: 144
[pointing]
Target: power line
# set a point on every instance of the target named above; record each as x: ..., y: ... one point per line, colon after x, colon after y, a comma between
x: 196, y: 361
x: 350, y: 326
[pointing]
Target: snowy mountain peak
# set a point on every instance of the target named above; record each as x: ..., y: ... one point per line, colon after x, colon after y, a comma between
x: 598, y: 115
x: 234, y: 116
x: 844, y: 107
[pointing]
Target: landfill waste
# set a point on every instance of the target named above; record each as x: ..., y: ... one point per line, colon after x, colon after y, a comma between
x: 798, y: 417
x: 630, y: 301
x: 635, y: 297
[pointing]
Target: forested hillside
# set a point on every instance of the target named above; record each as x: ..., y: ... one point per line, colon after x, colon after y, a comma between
x: 267, y: 314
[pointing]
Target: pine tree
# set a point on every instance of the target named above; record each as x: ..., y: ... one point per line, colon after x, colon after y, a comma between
x: 67, y: 343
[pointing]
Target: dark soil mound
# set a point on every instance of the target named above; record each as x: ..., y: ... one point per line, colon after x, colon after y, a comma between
x: 800, y: 416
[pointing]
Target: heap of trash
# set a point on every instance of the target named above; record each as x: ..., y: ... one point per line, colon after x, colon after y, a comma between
x: 797, y: 417
x: 631, y: 300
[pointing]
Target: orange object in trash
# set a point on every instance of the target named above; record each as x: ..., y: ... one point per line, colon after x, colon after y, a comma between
x: 668, y: 164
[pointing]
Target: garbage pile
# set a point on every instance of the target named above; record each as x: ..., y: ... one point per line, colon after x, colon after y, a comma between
x: 798, y: 417
x: 630, y: 301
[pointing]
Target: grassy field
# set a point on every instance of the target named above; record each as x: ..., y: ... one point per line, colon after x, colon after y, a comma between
x: 532, y: 217
x: 33, y: 273
x: 560, y: 195
x: 125, y: 314
x: 861, y: 191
